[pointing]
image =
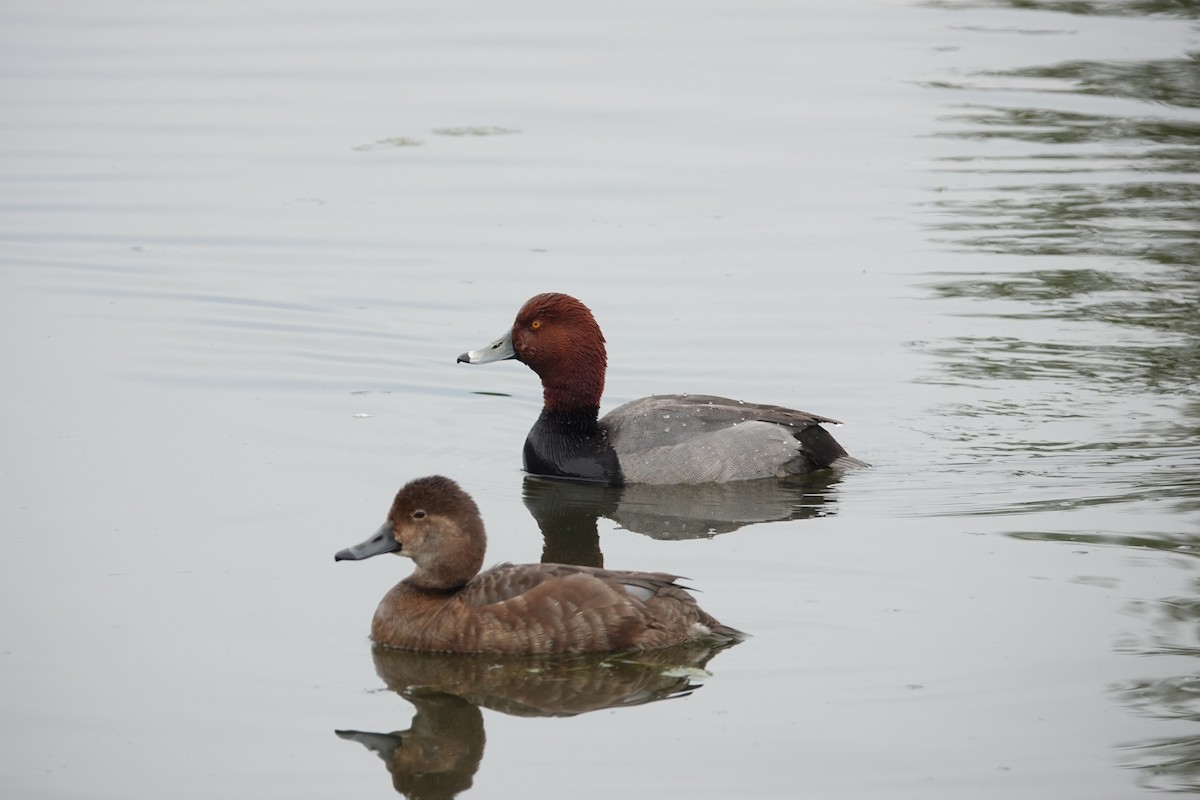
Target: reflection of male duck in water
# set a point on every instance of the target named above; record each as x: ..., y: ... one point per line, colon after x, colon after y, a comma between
x: 567, y: 511
x: 440, y: 752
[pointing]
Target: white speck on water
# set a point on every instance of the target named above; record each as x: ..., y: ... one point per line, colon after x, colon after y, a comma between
x: 363, y: 416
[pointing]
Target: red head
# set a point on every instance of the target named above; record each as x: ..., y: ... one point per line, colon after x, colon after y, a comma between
x: 557, y: 336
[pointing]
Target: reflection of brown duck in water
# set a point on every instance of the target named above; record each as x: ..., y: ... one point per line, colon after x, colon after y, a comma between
x: 441, y: 751
x: 438, y: 755
x: 551, y: 686
x: 447, y: 606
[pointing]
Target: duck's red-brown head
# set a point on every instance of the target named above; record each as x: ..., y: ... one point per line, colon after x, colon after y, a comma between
x: 557, y: 336
x: 436, y: 524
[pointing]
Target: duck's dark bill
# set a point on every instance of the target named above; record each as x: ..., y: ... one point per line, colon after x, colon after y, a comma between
x: 382, y: 541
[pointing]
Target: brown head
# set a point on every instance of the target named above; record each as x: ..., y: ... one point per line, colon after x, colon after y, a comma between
x: 436, y: 524
x: 557, y: 336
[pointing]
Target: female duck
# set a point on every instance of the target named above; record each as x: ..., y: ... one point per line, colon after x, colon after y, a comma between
x: 664, y: 439
x: 447, y: 606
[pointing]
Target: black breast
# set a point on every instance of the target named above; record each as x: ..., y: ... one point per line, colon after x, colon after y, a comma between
x: 571, y: 445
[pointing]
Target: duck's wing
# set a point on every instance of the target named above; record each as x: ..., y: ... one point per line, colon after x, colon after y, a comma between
x: 561, y: 608
x: 504, y: 582
x: 500, y: 583
x: 674, y: 418
x: 708, y: 439
x: 727, y: 411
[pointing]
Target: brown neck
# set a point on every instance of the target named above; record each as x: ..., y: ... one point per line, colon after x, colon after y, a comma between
x: 575, y: 386
x: 454, y: 561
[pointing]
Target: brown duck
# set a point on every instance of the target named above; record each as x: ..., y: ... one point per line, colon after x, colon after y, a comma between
x: 447, y: 605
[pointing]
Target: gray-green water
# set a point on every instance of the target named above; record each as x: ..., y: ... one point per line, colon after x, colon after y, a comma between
x: 242, y: 244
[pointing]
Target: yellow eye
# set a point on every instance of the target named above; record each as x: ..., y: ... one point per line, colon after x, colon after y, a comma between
x: 536, y: 324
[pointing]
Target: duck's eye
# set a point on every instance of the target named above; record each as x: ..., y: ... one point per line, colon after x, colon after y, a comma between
x: 536, y: 325
x: 418, y: 514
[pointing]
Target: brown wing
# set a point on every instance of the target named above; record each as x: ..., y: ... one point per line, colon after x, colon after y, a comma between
x: 506, y: 581
x: 561, y: 608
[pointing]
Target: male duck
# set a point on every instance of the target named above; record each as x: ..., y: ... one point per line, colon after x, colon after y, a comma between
x: 447, y: 606
x: 663, y: 439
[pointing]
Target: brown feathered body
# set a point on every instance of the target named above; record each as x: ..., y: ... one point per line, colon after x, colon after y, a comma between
x: 447, y: 606
x: 543, y: 608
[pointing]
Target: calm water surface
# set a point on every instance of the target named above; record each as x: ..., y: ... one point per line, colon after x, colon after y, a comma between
x: 241, y: 248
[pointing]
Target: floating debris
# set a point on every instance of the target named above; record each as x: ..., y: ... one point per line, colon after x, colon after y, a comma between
x: 390, y: 142
x: 475, y: 130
